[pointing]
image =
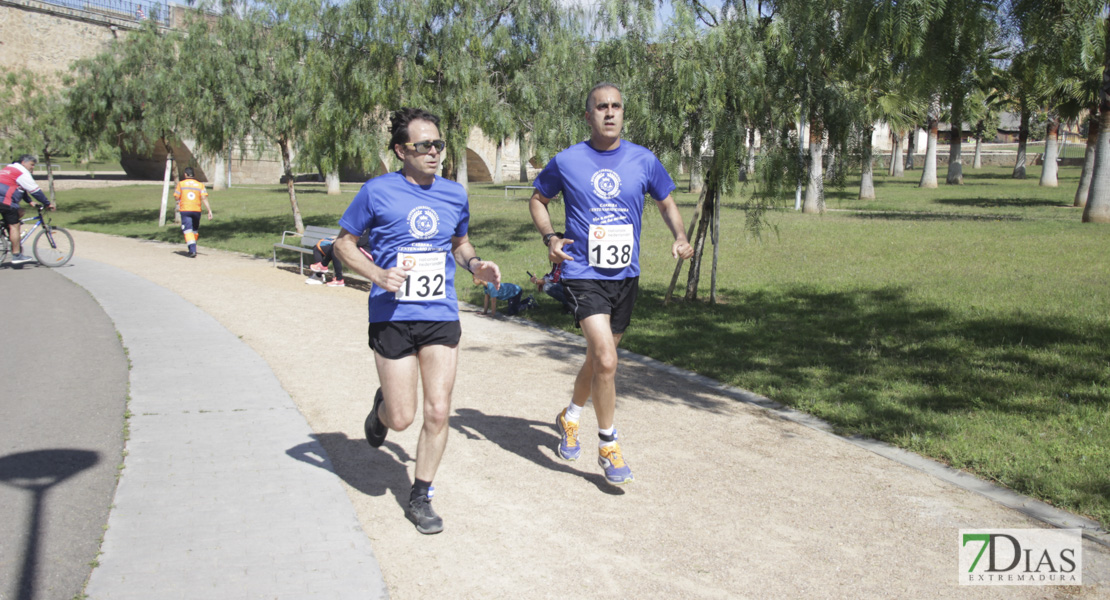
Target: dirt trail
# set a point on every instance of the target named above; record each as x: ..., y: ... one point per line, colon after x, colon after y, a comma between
x: 730, y: 501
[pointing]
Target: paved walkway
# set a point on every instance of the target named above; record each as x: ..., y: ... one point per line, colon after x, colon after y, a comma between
x: 212, y: 502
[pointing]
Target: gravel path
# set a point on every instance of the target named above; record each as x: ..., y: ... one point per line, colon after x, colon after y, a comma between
x: 729, y: 500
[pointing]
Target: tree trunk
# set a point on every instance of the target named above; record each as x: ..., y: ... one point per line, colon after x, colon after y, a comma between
x: 699, y: 242
x: 911, y: 147
x: 895, y: 152
x: 290, y: 182
x: 929, y: 170
x: 175, y: 178
x: 751, y: 150
x: 523, y: 158
x: 219, y: 173
x: 697, y: 174
x: 1098, y: 198
x: 815, y: 187
x: 165, y: 184
x: 462, y: 176
x: 1088, y: 159
x: 1050, y: 168
x: 1023, y: 139
x: 332, y: 183
x: 867, y: 181
x: 49, y: 173
x: 716, y: 237
x: 978, y: 164
x: 497, y: 162
x: 833, y: 166
x: 956, y: 143
x: 689, y: 235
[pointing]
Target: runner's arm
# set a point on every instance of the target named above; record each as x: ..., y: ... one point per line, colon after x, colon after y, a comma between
x: 346, y: 247
x: 673, y: 218
x: 537, y: 205
x: 465, y: 255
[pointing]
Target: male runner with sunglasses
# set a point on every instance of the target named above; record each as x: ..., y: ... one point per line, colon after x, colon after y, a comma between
x: 603, y: 181
x: 418, y: 226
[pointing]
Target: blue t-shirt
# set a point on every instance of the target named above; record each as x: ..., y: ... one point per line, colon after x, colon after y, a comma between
x: 603, y: 193
x: 412, y: 225
x: 505, y: 292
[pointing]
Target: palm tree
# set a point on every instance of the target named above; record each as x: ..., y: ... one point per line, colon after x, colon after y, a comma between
x: 1097, y: 209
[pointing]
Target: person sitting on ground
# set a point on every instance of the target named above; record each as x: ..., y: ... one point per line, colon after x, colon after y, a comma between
x: 16, y: 184
x: 551, y: 284
x: 510, y: 292
x: 323, y: 254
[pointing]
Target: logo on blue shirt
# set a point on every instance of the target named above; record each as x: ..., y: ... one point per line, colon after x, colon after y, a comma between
x: 423, y: 222
x: 607, y: 184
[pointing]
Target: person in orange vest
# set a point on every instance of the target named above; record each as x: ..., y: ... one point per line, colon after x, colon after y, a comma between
x: 190, y: 195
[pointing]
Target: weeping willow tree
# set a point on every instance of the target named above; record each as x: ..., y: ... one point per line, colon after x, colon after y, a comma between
x: 257, y: 54
x: 351, y: 81
x: 457, y: 57
x: 131, y: 96
x: 35, y: 118
x: 693, y: 89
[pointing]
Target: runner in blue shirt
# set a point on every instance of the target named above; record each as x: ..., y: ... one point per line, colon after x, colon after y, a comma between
x: 418, y: 228
x: 603, y: 182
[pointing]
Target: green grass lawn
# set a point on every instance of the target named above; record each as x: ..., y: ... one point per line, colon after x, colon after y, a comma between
x: 968, y: 323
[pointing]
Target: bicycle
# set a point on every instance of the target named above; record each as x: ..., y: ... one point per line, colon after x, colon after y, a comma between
x: 51, y: 247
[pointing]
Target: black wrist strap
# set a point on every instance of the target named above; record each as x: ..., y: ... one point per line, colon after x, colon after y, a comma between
x: 547, y: 238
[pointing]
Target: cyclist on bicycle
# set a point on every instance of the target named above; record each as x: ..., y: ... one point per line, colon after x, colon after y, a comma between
x: 16, y: 184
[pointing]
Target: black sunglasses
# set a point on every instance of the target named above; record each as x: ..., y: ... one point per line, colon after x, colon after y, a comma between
x: 426, y: 147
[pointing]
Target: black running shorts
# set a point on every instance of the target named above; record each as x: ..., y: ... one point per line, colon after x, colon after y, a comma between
x: 588, y: 297
x: 398, y: 339
x: 9, y: 215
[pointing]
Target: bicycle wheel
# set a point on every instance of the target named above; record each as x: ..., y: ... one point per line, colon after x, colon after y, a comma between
x: 53, y: 247
x: 5, y: 245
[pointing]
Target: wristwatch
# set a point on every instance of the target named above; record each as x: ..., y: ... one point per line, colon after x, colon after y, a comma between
x: 547, y: 238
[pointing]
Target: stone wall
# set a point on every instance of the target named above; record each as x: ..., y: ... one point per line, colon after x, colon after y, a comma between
x: 46, y: 38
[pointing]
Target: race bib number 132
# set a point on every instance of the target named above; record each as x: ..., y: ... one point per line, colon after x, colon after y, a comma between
x: 611, y: 246
x: 427, y: 278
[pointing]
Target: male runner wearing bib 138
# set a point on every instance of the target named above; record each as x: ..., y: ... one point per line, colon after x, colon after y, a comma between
x: 190, y: 194
x: 418, y: 228
x: 603, y: 182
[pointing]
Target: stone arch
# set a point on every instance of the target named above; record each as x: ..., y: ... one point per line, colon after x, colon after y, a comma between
x: 477, y: 171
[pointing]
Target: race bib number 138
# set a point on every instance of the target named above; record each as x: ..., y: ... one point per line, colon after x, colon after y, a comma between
x: 427, y: 278
x: 611, y: 246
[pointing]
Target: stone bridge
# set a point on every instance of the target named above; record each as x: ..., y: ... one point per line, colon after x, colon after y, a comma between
x: 46, y: 37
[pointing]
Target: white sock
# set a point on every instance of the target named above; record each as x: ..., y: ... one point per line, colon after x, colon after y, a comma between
x: 611, y: 433
x: 574, y: 413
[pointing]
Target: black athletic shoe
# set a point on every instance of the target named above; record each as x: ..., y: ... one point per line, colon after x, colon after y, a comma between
x: 375, y: 430
x: 421, y: 513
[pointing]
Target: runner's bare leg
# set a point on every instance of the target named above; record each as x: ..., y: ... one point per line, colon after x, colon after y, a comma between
x: 437, y: 371
x: 597, y: 378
